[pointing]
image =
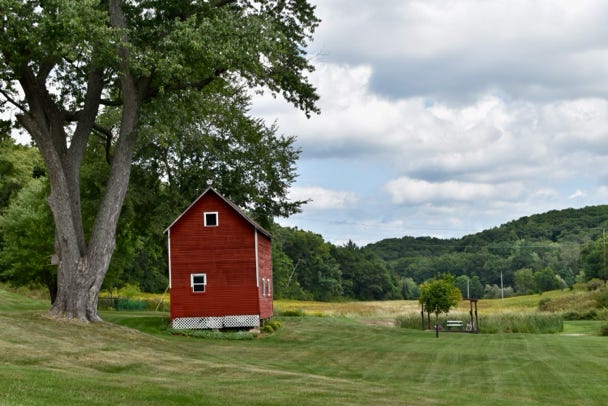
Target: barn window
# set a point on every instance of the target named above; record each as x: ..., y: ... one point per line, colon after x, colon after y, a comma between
x: 198, y: 281
x: 210, y: 218
x: 266, y: 287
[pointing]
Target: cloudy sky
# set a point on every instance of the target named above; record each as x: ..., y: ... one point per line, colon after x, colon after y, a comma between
x: 447, y: 117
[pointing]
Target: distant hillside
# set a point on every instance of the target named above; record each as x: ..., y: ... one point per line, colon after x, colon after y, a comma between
x: 546, y: 251
x: 550, y: 240
x: 569, y: 225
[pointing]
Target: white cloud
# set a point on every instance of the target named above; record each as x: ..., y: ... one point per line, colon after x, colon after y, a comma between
x: 578, y: 194
x: 489, y: 140
x: 460, y: 49
x: 457, y: 116
x: 408, y: 190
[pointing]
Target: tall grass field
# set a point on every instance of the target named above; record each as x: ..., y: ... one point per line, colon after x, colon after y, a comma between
x: 325, y: 354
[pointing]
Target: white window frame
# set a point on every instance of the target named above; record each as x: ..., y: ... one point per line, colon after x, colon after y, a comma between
x: 217, y: 219
x: 204, y: 284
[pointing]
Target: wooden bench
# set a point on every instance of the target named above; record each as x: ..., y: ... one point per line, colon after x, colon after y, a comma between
x: 454, y: 323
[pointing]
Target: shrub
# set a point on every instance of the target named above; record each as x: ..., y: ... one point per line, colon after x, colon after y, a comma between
x: 601, y: 298
x: 123, y: 303
x: 604, y: 330
x: 270, y: 326
x: 130, y: 304
x: 590, y: 314
x: 129, y: 291
x: 130, y: 297
x: 594, y: 284
x: 409, y: 320
x: 522, y: 323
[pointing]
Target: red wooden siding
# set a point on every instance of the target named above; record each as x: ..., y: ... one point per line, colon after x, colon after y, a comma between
x: 265, y: 270
x: 226, y: 254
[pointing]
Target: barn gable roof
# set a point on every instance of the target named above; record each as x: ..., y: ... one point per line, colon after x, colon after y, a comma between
x: 231, y: 204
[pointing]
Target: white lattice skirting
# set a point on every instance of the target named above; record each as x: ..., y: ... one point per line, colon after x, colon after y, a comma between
x: 189, y: 323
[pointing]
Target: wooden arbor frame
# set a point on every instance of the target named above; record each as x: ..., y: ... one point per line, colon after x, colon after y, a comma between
x: 474, y: 321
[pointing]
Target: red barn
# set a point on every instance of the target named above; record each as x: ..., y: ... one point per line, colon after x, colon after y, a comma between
x: 220, y: 266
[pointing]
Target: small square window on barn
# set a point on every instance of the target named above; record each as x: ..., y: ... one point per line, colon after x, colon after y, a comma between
x: 198, y: 281
x: 210, y: 219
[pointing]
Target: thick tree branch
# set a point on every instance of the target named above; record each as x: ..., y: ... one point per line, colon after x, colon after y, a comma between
x: 12, y: 101
x: 86, y: 117
x: 50, y: 118
x: 111, y: 103
x: 106, y: 132
x: 45, y: 68
x: 107, y: 136
x: 201, y: 84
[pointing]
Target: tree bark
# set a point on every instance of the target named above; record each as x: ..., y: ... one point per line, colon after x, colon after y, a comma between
x: 81, y: 271
x: 82, y: 266
x: 45, y: 122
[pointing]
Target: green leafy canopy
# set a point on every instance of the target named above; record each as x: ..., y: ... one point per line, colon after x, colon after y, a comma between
x: 440, y: 294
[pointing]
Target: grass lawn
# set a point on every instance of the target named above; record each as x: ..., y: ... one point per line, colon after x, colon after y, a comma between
x: 338, y: 359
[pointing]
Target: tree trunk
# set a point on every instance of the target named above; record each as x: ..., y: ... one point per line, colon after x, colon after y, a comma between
x: 436, y: 325
x: 80, y: 272
x: 82, y: 265
x: 51, y: 284
x: 78, y: 289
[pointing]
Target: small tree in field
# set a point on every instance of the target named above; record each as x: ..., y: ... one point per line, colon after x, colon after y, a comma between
x: 439, y: 295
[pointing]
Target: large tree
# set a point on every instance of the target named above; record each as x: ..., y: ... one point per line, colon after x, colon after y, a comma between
x: 243, y: 157
x: 63, y: 63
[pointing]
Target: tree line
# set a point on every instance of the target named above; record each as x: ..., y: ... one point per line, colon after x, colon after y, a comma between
x: 529, y: 255
x: 534, y: 254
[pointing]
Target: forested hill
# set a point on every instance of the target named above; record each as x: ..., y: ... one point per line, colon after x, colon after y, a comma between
x: 565, y: 244
x: 578, y: 226
x: 559, y: 226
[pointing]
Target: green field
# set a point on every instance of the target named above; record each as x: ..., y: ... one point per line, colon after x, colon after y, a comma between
x: 349, y: 357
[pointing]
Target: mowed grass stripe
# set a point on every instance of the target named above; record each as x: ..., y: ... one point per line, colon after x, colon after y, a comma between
x: 66, y: 363
x: 309, y: 361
